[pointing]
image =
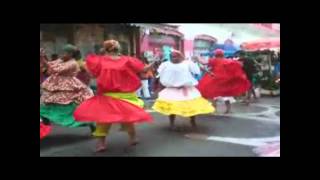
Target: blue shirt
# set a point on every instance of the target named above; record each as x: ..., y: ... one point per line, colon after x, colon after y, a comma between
x: 276, y: 69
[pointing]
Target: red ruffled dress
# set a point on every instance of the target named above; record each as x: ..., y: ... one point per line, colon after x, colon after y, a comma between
x: 44, y: 130
x: 228, y: 79
x: 113, y: 76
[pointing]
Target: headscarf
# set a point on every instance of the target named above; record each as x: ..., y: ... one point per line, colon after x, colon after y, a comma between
x: 219, y: 52
x: 70, y: 49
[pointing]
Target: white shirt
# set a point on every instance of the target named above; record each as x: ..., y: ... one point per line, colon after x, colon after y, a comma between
x: 178, y: 75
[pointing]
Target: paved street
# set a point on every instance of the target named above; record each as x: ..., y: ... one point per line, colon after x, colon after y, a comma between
x: 219, y: 135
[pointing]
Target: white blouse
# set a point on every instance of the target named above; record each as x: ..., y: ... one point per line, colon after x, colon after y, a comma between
x: 178, y: 75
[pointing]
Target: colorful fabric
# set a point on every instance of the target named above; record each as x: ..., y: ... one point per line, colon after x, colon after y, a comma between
x: 115, y: 75
x: 107, y: 109
x: 116, y: 101
x: 129, y: 97
x: 228, y: 79
x: 178, y: 75
x: 186, y: 108
x: 62, y: 87
x: 44, y: 130
x: 179, y: 94
x: 60, y: 114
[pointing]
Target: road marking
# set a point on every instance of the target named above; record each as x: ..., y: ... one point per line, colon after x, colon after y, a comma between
x: 255, y: 142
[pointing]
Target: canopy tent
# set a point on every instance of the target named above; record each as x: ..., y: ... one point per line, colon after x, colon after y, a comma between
x: 261, y: 44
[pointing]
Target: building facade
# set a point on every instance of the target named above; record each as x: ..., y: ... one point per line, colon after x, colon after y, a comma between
x: 88, y: 37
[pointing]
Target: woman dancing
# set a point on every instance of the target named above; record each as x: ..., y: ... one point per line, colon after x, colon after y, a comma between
x: 180, y: 97
x: 116, y: 100
x: 63, y: 92
x: 225, y: 80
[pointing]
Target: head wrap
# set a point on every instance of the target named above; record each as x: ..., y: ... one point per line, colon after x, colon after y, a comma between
x: 218, y: 52
x: 70, y: 49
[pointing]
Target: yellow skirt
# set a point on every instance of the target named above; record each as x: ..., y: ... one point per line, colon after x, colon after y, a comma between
x: 129, y: 97
x: 186, y: 108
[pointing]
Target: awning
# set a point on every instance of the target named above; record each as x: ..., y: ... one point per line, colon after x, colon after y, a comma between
x: 159, y: 28
x: 206, y: 38
x: 261, y: 44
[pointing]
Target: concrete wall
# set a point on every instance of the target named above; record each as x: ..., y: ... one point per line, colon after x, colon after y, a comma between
x: 87, y: 37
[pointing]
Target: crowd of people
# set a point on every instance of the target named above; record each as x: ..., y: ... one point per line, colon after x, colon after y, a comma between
x: 183, y: 87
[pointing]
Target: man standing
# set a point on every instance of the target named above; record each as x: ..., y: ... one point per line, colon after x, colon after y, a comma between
x: 250, y: 68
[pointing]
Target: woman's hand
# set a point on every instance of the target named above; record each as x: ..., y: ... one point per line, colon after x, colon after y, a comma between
x: 149, y: 66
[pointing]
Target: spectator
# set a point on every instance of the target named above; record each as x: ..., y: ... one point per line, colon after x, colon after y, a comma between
x: 144, y: 81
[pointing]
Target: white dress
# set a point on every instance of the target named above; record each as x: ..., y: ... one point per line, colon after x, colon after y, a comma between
x: 179, y: 81
x: 178, y: 75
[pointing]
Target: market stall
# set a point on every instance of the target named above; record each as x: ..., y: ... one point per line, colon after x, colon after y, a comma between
x: 266, y: 53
